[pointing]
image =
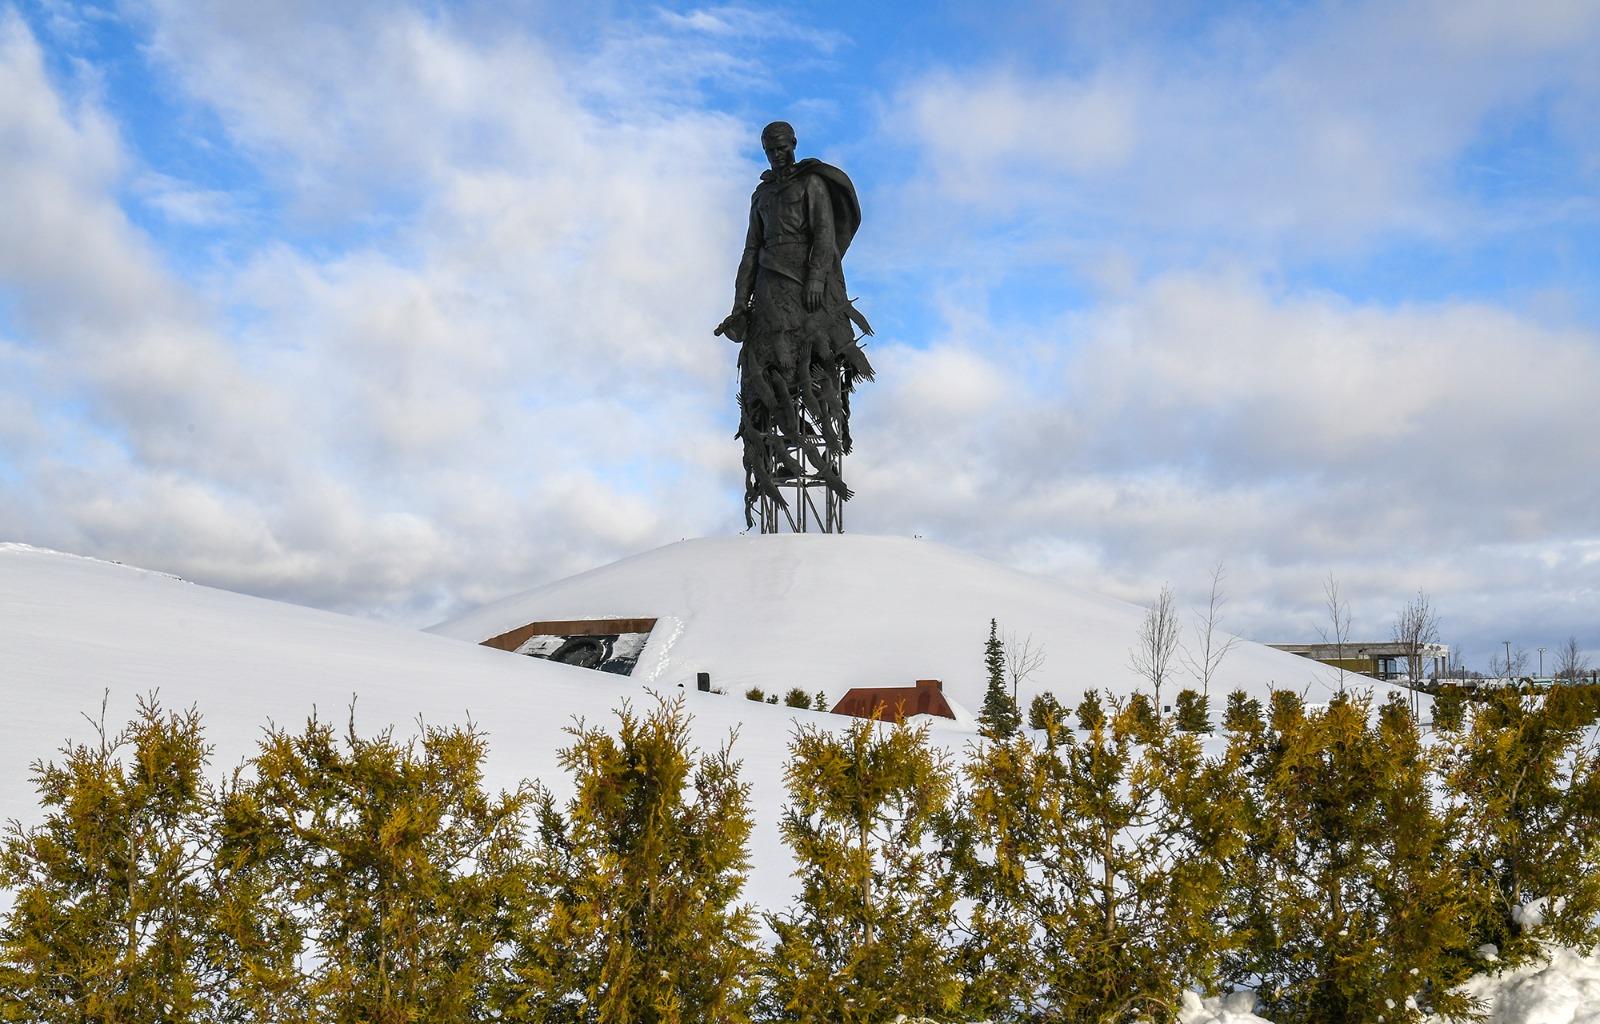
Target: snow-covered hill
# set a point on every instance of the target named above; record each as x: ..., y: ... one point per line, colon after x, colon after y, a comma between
x: 832, y: 612
x: 819, y: 612
x: 774, y: 612
x: 73, y: 630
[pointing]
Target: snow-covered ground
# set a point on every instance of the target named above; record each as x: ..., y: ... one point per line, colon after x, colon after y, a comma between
x: 832, y: 612
x: 814, y: 612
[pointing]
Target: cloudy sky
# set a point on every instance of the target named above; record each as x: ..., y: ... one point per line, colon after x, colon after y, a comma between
x: 395, y: 308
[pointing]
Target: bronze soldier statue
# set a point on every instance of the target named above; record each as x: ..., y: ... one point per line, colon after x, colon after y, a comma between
x: 799, y: 358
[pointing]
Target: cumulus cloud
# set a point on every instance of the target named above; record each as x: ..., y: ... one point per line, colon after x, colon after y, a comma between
x: 452, y: 337
x: 1304, y: 130
x: 1204, y: 417
x: 476, y: 395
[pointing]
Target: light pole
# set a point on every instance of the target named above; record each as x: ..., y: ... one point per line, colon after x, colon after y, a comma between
x: 1541, y: 663
x: 1508, y: 658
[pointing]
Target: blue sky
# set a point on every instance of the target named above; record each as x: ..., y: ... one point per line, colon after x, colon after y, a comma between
x: 395, y: 308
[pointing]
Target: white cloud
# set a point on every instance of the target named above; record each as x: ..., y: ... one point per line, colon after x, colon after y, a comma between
x: 1325, y: 127
x: 509, y: 374
x: 479, y: 396
x: 979, y: 131
x: 1203, y: 417
x: 183, y: 203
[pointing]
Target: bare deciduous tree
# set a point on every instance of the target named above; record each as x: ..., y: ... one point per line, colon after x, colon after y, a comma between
x: 1023, y: 659
x: 1571, y: 665
x: 1339, y: 618
x: 1151, y: 655
x: 1415, y: 628
x: 1213, y: 645
x: 1511, y: 665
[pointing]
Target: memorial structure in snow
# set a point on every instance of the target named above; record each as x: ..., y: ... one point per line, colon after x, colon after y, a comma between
x: 799, y: 356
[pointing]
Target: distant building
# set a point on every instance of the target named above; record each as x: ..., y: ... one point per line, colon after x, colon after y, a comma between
x: 1380, y: 659
x: 896, y: 703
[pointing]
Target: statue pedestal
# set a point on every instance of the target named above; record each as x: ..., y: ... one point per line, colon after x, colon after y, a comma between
x: 809, y: 504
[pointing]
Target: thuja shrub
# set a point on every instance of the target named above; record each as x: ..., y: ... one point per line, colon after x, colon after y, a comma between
x: 1524, y: 778
x: 1091, y: 714
x: 869, y: 936
x: 1095, y: 869
x: 1243, y: 713
x: 1045, y: 710
x: 1345, y: 889
x: 375, y: 875
x: 110, y: 911
x: 632, y: 912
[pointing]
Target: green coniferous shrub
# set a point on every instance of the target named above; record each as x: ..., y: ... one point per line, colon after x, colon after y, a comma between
x: 1045, y: 712
x: 111, y: 908
x: 1192, y: 712
x: 869, y: 935
x: 1243, y: 714
x: 1286, y: 709
x: 755, y: 693
x: 635, y: 912
x: 1096, y: 874
x: 1000, y: 718
x: 379, y: 866
x: 1346, y: 886
x: 1527, y: 791
x: 1449, y: 706
x: 820, y: 702
x: 1091, y: 714
x: 1146, y: 724
x: 797, y: 698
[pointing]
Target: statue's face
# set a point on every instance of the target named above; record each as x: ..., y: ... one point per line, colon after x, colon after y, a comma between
x: 780, y: 151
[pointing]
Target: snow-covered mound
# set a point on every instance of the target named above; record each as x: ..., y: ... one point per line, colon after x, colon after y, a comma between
x: 832, y: 612
x: 75, y: 630
x: 769, y: 611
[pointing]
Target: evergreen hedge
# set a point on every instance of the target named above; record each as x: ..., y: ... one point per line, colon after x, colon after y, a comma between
x: 1346, y: 863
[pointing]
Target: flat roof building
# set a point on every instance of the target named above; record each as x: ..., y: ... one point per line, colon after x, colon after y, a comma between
x: 1380, y: 659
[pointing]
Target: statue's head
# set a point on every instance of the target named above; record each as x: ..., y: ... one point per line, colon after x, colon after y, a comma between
x: 777, y: 140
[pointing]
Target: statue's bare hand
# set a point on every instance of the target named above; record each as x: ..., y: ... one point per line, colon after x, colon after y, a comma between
x: 813, y: 296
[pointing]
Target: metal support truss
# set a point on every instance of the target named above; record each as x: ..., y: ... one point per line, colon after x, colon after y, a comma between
x: 812, y: 507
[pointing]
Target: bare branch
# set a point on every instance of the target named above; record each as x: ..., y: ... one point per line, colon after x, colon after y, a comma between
x: 1339, y: 618
x: 1571, y: 664
x: 1023, y: 659
x: 1157, y: 642
x: 1213, y: 644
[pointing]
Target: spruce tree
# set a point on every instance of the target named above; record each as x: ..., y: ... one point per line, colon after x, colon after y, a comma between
x: 110, y: 905
x: 869, y: 936
x: 1000, y: 718
x: 634, y: 912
